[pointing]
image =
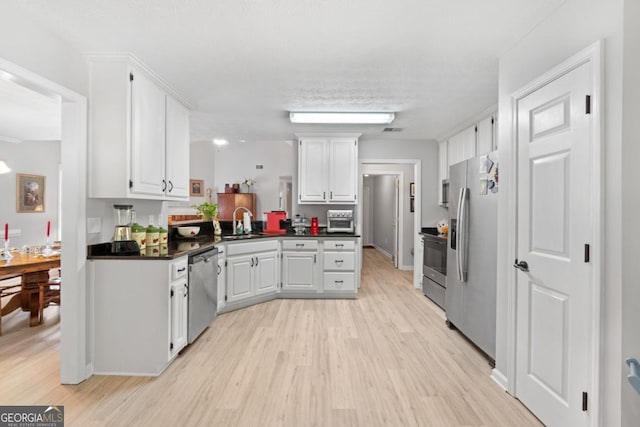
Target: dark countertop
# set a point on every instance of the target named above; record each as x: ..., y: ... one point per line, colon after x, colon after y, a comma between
x: 181, y: 247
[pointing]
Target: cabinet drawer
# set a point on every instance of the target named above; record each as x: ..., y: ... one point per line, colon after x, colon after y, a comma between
x: 339, y: 282
x: 234, y: 248
x: 179, y: 269
x: 339, y: 260
x: 300, y: 245
x: 337, y: 245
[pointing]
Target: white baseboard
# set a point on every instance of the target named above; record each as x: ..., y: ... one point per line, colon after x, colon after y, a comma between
x: 499, y: 378
x: 406, y: 267
x: 385, y: 253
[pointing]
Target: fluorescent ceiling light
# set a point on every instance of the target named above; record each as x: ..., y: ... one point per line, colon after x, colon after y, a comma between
x: 4, y: 168
x: 220, y: 141
x: 341, y: 118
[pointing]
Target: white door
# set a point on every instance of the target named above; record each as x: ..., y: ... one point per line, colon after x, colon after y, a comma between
x: 147, y: 137
x: 239, y: 277
x: 343, y: 169
x: 396, y: 221
x: 266, y: 273
x: 554, y: 224
x: 299, y: 270
x: 177, y: 158
x: 312, y: 172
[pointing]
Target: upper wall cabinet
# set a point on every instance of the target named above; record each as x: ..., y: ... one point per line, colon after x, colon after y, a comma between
x: 139, y: 132
x: 328, y: 169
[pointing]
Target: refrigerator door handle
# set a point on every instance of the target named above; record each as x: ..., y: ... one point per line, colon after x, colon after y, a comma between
x: 462, y: 233
x: 459, y: 234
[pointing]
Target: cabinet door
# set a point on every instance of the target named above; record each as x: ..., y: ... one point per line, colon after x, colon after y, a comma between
x: 266, y: 273
x: 462, y: 146
x: 312, y: 170
x: 222, y: 282
x: 443, y: 166
x: 147, y: 137
x: 343, y: 169
x: 485, y: 136
x: 299, y: 270
x: 179, y: 319
x: 239, y: 277
x: 177, y: 151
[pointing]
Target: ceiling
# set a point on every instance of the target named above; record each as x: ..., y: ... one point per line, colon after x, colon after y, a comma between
x: 245, y: 63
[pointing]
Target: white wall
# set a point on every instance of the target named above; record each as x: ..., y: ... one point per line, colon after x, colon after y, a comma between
x: 383, y: 212
x: 427, y: 151
x: 33, y: 158
x: 237, y: 161
x: 575, y: 25
x: 630, y: 207
x: 202, y: 166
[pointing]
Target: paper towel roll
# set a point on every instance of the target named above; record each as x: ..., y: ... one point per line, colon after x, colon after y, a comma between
x: 246, y: 219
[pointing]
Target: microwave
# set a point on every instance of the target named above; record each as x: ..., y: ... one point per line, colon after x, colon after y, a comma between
x: 340, y: 221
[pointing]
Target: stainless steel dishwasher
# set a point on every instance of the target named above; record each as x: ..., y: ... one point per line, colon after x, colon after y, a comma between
x: 203, y: 291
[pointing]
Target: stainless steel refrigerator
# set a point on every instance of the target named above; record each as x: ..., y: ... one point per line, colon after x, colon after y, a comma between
x: 470, y: 298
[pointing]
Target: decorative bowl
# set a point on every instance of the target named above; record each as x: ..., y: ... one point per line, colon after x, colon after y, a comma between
x: 188, y: 231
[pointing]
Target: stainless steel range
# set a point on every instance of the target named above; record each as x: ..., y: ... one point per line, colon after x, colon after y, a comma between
x: 434, y: 266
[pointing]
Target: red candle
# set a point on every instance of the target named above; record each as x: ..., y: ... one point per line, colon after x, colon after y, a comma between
x: 6, y: 231
x: 48, y: 228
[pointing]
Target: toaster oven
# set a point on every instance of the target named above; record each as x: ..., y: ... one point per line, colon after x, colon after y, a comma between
x: 340, y: 221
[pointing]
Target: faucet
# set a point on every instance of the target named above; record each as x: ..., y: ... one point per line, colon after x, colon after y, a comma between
x: 234, y: 216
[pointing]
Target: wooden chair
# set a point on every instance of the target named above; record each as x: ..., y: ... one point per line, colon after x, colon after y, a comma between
x: 48, y: 293
x: 8, y: 287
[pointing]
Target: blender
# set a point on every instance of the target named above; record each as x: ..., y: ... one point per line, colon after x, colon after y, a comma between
x: 123, y: 217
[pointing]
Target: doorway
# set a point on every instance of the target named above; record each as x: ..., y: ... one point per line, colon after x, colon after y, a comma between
x: 74, y: 361
x: 382, y: 226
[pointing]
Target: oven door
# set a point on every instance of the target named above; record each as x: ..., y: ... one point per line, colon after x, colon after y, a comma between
x: 340, y: 225
x: 435, y: 259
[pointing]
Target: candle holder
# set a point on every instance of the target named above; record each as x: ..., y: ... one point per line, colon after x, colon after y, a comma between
x: 7, y: 252
x: 47, y: 248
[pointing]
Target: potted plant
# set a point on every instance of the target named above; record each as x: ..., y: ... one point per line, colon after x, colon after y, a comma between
x: 208, y: 210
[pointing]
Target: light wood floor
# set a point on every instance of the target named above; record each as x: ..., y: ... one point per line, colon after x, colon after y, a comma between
x: 384, y: 359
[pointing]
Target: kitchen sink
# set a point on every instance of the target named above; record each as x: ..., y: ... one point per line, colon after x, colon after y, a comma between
x: 240, y: 236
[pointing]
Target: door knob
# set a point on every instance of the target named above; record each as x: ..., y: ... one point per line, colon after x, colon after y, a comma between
x: 522, y: 266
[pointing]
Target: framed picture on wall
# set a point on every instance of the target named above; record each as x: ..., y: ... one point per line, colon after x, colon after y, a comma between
x: 196, y: 187
x: 412, y: 189
x: 29, y: 193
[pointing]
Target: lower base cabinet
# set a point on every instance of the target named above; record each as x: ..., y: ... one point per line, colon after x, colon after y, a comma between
x: 251, y: 270
x: 300, y: 265
x: 140, y: 314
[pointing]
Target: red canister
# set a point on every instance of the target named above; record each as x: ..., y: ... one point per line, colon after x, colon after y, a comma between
x: 314, y: 225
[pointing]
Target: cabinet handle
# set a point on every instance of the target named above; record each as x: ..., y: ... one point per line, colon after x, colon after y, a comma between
x: 257, y: 261
x: 164, y: 185
x: 252, y: 262
x: 340, y: 261
x: 339, y: 245
x: 331, y: 195
x: 219, y: 270
x: 170, y: 186
x: 314, y: 258
x: 324, y: 195
x: 180, y: 270
x: 186, y: 290
x: 338, y: 283
x: 299, y: 245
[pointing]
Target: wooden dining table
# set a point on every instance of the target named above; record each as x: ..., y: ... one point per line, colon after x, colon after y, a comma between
x: 33, y: 269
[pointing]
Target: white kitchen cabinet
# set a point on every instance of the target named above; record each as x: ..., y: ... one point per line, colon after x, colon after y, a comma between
x: 328, y: 169
x: 462, y: 146
x: 138, y: 132
x: 177, y: 150
x: 486, y: 136
x: 252, y: 269
x: 179, y: 319
x: 339, y: 263
x: 443, y: 167
x: 300, y: 265
x: 140, y: 321
x: 222, y: 276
